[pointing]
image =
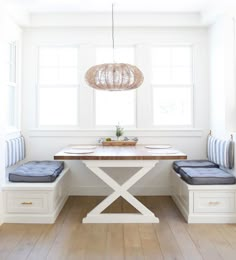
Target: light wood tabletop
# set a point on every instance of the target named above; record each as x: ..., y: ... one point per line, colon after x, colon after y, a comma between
x: 138, y: 152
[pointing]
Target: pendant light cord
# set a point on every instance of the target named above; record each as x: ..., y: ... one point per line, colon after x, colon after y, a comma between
x: 113, y: 37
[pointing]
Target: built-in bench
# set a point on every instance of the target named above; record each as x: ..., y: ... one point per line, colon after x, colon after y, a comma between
x: 34, y: 192
x: 204, y: 190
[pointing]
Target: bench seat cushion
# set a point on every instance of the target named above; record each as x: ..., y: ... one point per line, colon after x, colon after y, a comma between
x: 206, y: 176
x: 37, y: 171
x: 193, y: 164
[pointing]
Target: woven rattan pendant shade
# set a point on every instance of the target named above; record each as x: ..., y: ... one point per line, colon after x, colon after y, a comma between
x: 114, y: 76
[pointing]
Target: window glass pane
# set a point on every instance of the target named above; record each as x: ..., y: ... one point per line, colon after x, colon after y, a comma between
x: 171, y: 65
x: 68, y: 57
x: 48, y: 57
x: 172, y: 106
x: 11, y: 111
x: 161, y: 56
x: 58, y: 106
x: 122, y: 55
x: 49, y: 76
x: 115, y: 107
x: 58, y: 66
x: 182, y: 76
x: 68, y: 76
x: 12, y: 62
x: 182, y: 56
x: 161, y: 76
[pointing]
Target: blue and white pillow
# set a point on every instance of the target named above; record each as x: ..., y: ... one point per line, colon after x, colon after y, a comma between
x: 221, y: 152
x: 15, y: 151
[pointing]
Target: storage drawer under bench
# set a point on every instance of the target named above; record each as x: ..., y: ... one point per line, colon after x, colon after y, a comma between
x: 26, y: 202
x: 204, y: 203
x: 35, y: 202
x: 214, y: 202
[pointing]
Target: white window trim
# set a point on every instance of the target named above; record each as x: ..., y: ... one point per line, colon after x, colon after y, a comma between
x: 15, y: 85
x: 191, y: 86
x: 98, y: 127
x: 39, y: 86
x: 140, y: 122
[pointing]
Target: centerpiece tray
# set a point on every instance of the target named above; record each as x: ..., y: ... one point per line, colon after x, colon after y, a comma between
x: 119, y: 143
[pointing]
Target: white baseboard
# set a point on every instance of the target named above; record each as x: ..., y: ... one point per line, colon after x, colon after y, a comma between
x: 104, y: 191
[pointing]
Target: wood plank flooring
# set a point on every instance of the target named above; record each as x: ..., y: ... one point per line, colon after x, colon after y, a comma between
x: 68, y: 238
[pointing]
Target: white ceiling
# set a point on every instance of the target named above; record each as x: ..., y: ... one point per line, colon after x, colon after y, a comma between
x: 159, y: 6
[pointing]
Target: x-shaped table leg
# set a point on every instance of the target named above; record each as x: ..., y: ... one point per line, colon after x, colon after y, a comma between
x: 96, y: 215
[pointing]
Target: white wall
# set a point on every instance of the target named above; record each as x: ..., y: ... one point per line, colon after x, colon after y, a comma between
x: 8, y: 32
x: 222, y: 77
x: 44, y: 144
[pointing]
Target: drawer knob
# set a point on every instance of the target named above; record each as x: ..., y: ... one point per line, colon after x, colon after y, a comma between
x: 27, y: 203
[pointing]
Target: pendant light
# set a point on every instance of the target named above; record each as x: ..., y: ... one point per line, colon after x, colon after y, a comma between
x: 114, y: 76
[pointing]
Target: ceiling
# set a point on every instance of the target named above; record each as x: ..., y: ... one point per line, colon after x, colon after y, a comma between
x: 139, y: 6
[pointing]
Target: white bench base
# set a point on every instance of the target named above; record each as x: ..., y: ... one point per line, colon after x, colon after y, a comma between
x: 35, y: 202
x: 204, y: 203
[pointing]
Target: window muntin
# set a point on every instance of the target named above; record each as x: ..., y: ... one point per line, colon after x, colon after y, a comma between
x: 12, y: 86
x: 115, y: 107
x: 172, y: 84
x: 58, y: 83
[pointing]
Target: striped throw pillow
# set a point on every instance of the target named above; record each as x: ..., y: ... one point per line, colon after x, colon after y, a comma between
x: 221, y: 152
x: 15, y: 151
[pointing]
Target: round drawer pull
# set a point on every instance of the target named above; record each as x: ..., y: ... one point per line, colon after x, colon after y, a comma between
x: 27, y: 203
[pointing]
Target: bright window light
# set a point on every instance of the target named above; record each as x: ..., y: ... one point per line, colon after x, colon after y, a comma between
x: 58, y: 106
x: 172, y: 81
x: 12, y: 86
x: 58, y: 86
x: 172, y: 106
x: 115, y: 107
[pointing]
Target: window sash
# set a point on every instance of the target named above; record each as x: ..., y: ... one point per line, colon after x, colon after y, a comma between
x: 58, y: 85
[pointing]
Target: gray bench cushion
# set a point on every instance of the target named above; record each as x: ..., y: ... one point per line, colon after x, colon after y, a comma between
x: 37, y: 171
x: 193, y: 164
x: 206, y: 176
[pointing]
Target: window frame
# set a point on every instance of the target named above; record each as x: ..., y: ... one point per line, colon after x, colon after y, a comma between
x: 56, y: 86
x: 191, y: 86
x: 13, y: 84
x: 143, y: 61
x: 133, y: 46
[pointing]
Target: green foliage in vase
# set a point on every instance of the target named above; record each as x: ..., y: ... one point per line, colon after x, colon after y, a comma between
x: 119, y: 131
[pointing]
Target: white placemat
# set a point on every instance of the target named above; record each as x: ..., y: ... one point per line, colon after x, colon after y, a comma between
x: 158, y: 146
x: 77, y: 151
x: 87, y: 147
x: 165, y: 151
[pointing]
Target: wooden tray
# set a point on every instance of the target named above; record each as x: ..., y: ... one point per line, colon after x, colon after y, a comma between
x: 119, y: 143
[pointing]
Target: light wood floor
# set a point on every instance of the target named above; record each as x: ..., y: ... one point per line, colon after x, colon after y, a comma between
x: 172, y: 238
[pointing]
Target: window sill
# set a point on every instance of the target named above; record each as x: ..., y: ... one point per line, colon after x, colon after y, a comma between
x: 190, y: 132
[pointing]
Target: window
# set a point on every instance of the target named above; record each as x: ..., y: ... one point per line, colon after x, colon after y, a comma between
x: 12, y: 86
x: 115, y: 107
x: 172, y: 82
x: 58, y: 82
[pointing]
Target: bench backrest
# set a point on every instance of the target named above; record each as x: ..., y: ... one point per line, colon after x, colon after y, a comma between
x: 221, y: 152
x: 15, y: 151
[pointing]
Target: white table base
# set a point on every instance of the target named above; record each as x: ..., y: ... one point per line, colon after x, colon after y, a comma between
x: 96, y: 215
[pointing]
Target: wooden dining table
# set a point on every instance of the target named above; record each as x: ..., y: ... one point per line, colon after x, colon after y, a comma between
x: 139, y: 156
